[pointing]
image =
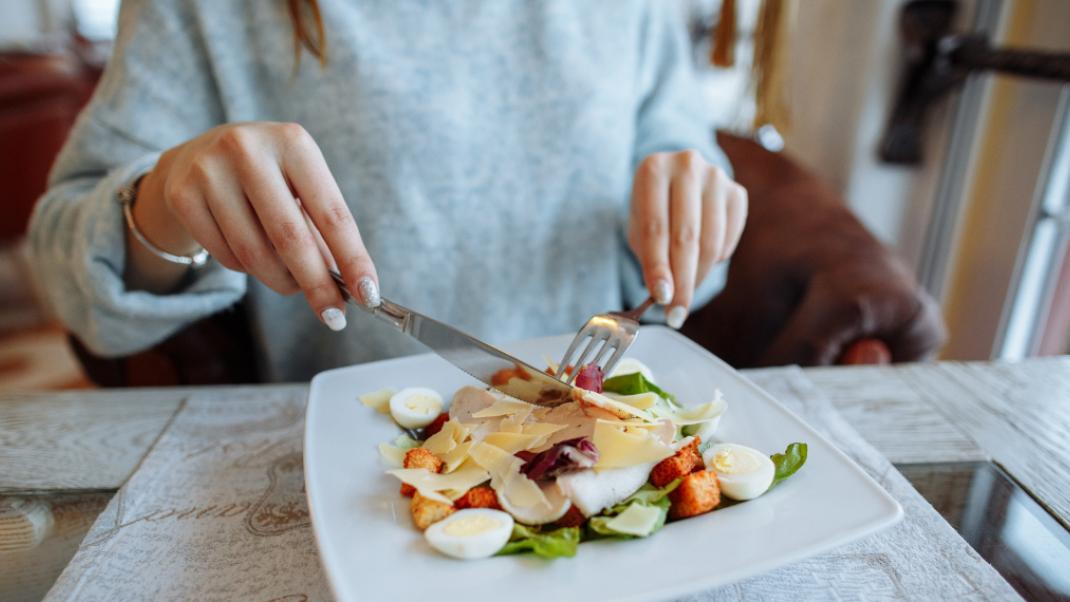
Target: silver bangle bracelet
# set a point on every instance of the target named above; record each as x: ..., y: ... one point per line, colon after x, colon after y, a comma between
x: 127, y: 196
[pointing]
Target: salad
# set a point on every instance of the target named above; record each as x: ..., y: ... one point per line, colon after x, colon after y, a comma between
x: 496, y: 475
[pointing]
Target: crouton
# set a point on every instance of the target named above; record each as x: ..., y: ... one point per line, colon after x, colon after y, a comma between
x: 684, y: 462
x: 436, y: 425
x: 478, y: 497
x: 697, y: 493
x: 427, y: 512
x: 419, y: 457
x: 573, y: 518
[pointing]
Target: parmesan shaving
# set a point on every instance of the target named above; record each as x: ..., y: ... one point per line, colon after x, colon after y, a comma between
x: 698, y: 414
x: 430, y: 484
x: 505, y: 476
x: 445, y: 440
x: 620, y: 445
x: 642, y: 401
x: 618, y: 409
x: 456, y: 456
x: 514, y: 442
x: 504, y: 407
x: 392, y: 456
x: 378, y: 400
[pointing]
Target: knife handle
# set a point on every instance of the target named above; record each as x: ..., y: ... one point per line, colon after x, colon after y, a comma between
x: 396, y: 315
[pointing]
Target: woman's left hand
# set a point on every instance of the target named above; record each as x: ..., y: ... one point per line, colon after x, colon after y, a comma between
x: 686, y: 216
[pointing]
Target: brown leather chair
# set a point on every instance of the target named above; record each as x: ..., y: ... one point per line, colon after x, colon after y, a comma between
x: 808, y: 285
x: 40, y: 97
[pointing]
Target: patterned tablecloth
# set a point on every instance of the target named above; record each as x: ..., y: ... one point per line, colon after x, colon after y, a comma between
x: 216, y: 511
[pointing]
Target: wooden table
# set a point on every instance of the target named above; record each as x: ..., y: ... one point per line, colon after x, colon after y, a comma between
x: 62, y: 455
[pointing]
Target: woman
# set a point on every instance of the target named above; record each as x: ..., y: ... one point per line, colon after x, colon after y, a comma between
x: 486, y: 160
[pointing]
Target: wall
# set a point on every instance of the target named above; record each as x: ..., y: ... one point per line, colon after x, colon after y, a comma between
x: 845, y: 70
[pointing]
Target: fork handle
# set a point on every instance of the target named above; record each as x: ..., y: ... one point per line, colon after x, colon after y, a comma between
x: 396, y: 315
x: 635, y: 314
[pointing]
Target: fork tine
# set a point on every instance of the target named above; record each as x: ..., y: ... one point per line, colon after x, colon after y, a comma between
x: 580, y: 337
x: 613, y: 359
x: 611, y: 343
x: 596, y: 338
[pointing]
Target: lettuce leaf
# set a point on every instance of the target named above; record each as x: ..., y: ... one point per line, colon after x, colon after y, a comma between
x: 789, y: 462
x: 633, y: 384
x: 552, y: 544
x: 647, y: 495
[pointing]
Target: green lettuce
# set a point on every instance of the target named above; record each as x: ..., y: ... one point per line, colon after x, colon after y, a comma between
x: 552, y: 544
x: 647, y: 495
x: 634, y: 384
x: 788, y: 463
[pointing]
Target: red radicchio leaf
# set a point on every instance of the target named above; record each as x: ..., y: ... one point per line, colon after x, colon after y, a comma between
x: 566, y: 456
x: 590, y: 378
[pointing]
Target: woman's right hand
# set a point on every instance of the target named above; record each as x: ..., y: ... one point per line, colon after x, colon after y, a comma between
x: 234, y: 190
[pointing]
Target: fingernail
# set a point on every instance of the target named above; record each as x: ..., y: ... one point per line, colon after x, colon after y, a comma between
x: 676, y: 316
x: 369, y: 292
x: 334, y: 318
x: 663, y: 292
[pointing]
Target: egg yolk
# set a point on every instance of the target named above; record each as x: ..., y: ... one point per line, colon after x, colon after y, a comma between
x: 471, y: 525
x: 422, y: 404
x: 729, y: 462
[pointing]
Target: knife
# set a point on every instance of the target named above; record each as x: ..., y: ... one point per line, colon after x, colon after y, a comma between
x: 479, y: 359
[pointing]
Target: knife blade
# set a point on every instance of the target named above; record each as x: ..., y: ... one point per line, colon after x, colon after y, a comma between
x: 479, y: 359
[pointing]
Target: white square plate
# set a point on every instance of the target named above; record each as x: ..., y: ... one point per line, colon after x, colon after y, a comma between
x: 371, y: 551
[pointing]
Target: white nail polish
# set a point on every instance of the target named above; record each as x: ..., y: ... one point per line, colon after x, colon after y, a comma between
x: 663, y: 292
x: 369, y: 292
x: 334, y: 318
x: 676, y: 316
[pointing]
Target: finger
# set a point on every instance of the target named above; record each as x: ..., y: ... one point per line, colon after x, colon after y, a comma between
x: 685, y: 221
x: 245, y: 236
x: 321, y: 244
x: 736, y: 208
x: 648, y: 230
x: 195, y: 217
x: 312, y: 181
x: 714, y: 225
x: 286, y: 228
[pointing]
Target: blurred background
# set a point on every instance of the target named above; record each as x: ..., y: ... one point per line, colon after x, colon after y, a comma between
x: 964, y: 173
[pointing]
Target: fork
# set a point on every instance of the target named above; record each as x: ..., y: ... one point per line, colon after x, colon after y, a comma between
x: 613, y: 330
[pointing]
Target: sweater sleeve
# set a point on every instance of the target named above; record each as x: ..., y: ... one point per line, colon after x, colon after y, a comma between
x: 156, y: 92
x: 673, y: 115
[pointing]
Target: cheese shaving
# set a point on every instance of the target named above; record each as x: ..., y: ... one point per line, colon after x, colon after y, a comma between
x: 431, y: 484
x: 456, y: 456
x: 618, y: 409
x: 620, y: 445
x: 698, y: 414
x: 378, y: 400
x: 642, y: 401
x: 505, y: 476
x: 514, y: 442
x: 504, y: 407
x: 445, y: 440
x: 393, y: 456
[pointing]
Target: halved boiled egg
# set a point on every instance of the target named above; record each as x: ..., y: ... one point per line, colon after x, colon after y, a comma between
x: 415, y: 407
x: 471, y: 533
x: 630, y: 365
x: 743, y: 472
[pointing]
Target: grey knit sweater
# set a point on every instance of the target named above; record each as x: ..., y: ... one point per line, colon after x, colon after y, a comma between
x: 486, y: 149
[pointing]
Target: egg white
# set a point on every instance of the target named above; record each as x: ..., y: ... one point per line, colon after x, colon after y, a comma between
x: 414, y: 419
x: 749, y: 475
x: 470, y: 546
